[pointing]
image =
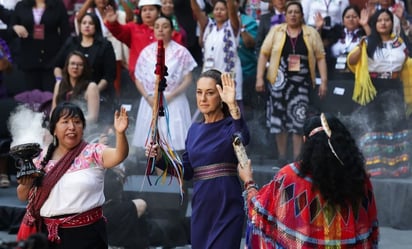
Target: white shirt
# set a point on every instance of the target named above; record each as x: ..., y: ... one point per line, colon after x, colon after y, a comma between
x: 80, y: 188
x: 345, y: 45
x: 332, y: 8
x: 390, y: 58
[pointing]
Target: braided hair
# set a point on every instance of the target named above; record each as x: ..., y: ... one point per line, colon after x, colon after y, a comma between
x: 62, y: 110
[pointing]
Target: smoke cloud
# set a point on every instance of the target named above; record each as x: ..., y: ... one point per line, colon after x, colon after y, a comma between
x: 25, y: 126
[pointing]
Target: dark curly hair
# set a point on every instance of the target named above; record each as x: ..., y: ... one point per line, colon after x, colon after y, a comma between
x: 337, y: 183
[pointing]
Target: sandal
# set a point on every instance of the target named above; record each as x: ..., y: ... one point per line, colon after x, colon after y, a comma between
x: 4, y: 181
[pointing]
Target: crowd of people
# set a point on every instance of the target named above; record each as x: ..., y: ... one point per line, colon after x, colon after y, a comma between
x: 286, y: 51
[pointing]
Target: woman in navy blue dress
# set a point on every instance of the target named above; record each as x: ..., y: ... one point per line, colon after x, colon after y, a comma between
x: 210, y: 161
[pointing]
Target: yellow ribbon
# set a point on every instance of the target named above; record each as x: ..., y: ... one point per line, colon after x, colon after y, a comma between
x: 364, y: 91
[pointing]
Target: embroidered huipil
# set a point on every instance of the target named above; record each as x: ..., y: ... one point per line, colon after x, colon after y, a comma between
x: 80, y: 188
x: 220, y: 45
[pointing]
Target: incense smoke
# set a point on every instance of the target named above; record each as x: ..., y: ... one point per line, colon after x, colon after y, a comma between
x: 25, y: 126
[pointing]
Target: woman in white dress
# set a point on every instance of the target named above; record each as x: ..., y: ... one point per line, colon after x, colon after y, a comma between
x: 179, y: 63
x: 220, y: 38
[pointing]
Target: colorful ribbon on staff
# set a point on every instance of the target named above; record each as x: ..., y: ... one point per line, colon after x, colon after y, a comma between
x: 171, y: 158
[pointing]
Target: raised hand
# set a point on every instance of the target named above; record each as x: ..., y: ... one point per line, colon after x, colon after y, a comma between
x: 228, y: 92
x: 121, y: 120
x: 364, y: 17
x: 319, y: 21
x: 110, y: 14
x: 398, y: 10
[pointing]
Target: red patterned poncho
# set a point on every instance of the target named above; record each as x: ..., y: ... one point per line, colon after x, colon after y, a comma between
x: 289, y: 213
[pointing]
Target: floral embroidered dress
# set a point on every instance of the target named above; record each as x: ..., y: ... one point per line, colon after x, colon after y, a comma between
x: 220, y: 52
x: 179, y: 63
x: 289, y: 213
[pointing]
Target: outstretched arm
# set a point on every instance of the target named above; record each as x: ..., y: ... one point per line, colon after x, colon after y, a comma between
x: 127, y: 10
x: 233, y: 17
x: 83, y: 10
x: 200, y: 16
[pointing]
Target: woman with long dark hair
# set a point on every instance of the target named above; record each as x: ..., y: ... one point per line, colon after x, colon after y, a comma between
x: 382, y: 129
x: 323, y: 200
x: 99, y: 53
x: 75, y: 86
x: 121, y: 51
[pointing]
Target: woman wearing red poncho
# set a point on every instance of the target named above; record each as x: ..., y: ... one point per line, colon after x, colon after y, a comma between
x: 324, y: 200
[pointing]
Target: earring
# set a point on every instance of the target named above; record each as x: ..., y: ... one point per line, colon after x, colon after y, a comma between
x: 54, y: 140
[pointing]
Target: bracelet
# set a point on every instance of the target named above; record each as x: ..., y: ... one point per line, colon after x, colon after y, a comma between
x: 147, y: 96
x: 252, y: 186
x: 235, y: 111
x: 248, y: 183
x: 58, y: 78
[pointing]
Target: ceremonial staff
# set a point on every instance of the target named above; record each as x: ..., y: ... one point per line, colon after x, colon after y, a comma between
x: 170, y: 157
